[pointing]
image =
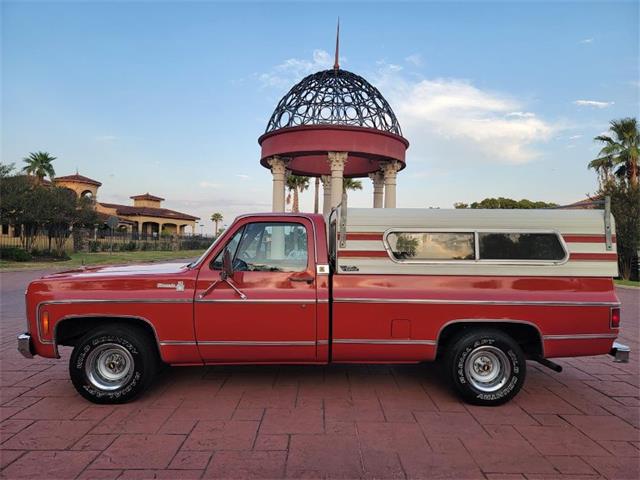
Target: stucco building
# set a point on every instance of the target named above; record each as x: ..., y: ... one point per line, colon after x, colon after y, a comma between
x: 146, y: 216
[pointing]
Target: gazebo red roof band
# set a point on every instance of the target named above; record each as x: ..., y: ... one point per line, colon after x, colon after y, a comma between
x: 334, y: 124
x: 306, y: 148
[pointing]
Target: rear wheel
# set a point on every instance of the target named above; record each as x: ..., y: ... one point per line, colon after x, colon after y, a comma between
x: 485, y: 366
x: 113, y: 364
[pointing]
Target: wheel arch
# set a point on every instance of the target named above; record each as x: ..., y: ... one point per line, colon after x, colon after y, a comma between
x: 70, y: 327
x: 525, y: 333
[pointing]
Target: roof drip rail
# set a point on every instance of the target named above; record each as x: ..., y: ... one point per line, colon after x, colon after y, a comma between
x: 607, y: 223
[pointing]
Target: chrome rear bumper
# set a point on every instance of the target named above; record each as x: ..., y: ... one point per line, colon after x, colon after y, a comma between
x: 24, y: 345
x: 620, y: 352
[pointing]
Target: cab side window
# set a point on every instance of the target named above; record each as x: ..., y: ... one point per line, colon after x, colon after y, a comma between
x: 272, y: 247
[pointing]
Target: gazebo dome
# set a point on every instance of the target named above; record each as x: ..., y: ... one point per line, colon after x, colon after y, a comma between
x: 335, y: 125
x: 334, y: 97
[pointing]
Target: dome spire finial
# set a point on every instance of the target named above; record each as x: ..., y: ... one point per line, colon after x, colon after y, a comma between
x: 336, y: 64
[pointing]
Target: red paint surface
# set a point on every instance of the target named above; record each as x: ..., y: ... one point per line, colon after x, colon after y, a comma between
x: 306, y: 148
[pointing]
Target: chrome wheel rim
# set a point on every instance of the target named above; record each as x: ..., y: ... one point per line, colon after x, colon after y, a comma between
x: 487, y: 368
x: 109, y: 366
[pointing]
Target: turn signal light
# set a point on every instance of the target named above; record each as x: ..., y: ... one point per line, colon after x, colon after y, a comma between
x: 44, y: 319
x: 615, y: 318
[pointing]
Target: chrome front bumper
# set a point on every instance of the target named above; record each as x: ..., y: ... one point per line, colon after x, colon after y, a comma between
x: 620, y: 352
x: 24, y: 345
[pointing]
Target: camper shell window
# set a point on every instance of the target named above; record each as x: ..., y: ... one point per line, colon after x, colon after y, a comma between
x: 490, y: 246
x: 431, y: 245
x: 520, y: 246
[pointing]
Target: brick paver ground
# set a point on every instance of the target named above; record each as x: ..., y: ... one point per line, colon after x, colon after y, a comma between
x: 330, y: 422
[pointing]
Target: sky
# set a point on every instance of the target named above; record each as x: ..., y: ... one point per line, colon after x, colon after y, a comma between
x: 496, y: 99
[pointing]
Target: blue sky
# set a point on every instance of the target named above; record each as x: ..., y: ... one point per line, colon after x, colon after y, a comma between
x: 497, y: 99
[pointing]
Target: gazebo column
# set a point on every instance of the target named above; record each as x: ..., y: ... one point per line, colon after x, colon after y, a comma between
x: 390, y: 171
x: 378, y: 188
x: 326, y: 194
x: 278, y: 170
x: 337, y: 161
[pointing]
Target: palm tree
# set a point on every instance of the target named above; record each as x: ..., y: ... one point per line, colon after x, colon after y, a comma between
x: 295, y: 184
x: 351, y: 184
x: 216, y: 218
x: 620, y: 153
x: 39, y: 165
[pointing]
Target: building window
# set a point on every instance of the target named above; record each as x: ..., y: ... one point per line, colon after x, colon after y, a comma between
x: 521, y: 246
x: 5, y: 229
x: 429, y: 246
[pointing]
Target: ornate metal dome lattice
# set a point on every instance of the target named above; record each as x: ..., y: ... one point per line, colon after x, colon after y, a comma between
x: 334, y: 97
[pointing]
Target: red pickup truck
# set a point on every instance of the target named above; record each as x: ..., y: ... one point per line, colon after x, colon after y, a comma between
x: 482, y: 291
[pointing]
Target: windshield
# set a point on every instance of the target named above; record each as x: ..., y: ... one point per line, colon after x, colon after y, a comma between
x: 197, y: 262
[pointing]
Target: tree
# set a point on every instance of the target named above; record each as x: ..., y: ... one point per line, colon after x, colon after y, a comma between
x: 216, y: 218
x: 505, y: 203
x: 35, y: 208
x: 39, y: 165
x: 65, y: 211
x: 619, y: 155
x: 351, y: 184
x: 296, y: 184
x: 6, y: 169
x: 625, y: 208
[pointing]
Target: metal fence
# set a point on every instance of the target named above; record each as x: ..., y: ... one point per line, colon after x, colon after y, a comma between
x: 104, y: 240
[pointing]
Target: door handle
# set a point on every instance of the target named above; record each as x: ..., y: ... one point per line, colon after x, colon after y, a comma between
x: 304, y: 277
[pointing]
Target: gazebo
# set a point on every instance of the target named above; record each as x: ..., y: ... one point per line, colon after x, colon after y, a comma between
x: 334, y: 125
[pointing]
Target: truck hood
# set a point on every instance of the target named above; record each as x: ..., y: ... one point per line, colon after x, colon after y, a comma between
x: 122, y: 270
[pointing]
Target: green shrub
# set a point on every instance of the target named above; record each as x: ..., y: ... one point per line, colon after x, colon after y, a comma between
x: 128, y: 247
x: 15, y: 254
x: 94, y: 246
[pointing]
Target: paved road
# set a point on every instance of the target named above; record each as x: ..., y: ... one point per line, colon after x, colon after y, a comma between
x: 347, y: 422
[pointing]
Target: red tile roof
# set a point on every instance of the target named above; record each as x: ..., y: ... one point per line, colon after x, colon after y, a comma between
x: 147, y: 196
x: 595, y: 202
x: 103, y: 217
x: 128, y: 210
x: 79, y: 179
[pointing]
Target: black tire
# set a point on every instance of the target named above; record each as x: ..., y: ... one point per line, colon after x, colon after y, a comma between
x: 113, y: 364
x: 475, y: 357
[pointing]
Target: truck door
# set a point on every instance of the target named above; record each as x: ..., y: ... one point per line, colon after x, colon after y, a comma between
x: 274, y: 270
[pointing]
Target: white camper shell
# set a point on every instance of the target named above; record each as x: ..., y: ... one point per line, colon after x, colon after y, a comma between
x: 412, y: 241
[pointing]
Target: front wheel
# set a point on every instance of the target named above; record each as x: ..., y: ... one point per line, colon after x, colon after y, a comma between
x: 486, y: 367
x: 113, y: 364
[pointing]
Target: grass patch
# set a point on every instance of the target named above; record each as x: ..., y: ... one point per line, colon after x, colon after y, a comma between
x: 628, y: 283
x: 103, y: 258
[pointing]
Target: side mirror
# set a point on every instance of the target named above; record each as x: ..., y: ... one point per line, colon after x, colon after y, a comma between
x: 227, y: 265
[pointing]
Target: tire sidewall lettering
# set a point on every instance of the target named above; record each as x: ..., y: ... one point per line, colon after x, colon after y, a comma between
x: 79, y: 364
x: 512, y: 383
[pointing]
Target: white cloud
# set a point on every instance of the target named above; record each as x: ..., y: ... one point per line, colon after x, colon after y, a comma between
x: 415, y: 59
x: 205, y: 184
x: 242, y: 176
x: 293, y: 69
x: 575, y: 137
x: 521, y: 114
x: 592, y: 103
x: 454, y: 120
x: 586, y: 41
